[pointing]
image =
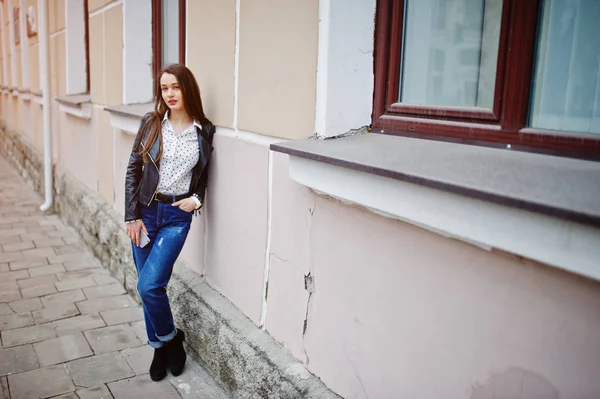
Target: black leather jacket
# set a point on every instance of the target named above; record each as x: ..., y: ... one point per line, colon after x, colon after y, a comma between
x: 141, y: 180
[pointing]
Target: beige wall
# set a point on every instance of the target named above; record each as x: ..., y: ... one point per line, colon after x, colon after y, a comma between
x: 58, y: 73
x: 277, y: 67
x: 398, y: 311
x: 6, y: 43
x: 211, y: 56
x: 236, y: 218
x: 56, y: 15
x: 93, y: 5
x: 105, y: 154
x: 106, y: 56
x: 34, y: 69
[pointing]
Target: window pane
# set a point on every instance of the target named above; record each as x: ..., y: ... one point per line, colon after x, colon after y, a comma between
x: 566, y: 85
x: 170, y: 32
x: 450, y: 52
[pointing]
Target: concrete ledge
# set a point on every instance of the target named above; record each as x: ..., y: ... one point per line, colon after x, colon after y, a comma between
x: 242, y: 358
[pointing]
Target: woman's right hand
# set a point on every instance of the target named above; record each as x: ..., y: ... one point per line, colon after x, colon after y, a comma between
x: 133, y: 230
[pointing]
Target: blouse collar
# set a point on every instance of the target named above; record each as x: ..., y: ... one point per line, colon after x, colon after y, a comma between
x: 166, y: 118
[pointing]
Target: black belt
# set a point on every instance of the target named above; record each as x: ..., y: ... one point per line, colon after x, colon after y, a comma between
x: 168, y: 198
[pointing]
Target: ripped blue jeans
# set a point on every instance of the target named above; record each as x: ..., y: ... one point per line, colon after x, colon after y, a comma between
x: 168, y: 227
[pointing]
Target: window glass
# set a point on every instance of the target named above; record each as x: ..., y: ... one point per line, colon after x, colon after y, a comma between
x: 170, y: 32
x: 566, y: 84
x: 450, y: 52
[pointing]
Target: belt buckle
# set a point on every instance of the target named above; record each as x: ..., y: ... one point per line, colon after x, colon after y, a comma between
x: 156, y: 197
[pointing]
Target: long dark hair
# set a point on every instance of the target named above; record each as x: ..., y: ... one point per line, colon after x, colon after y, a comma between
x: 191, y: 101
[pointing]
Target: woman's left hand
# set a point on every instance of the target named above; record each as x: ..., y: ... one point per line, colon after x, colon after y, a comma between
x: 186, y: 204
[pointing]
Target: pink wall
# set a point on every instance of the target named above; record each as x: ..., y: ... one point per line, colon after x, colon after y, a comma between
x: 76, y: 147
x: 236, y: 218
x: 398, y: 311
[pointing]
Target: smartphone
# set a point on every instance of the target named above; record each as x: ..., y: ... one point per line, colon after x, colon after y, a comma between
x: 144, y: 239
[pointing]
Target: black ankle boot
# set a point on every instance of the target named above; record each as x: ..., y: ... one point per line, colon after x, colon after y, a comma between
x: 176, y: 353
x: 158, y: 368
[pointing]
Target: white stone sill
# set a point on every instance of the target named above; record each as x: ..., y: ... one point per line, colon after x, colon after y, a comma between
x: 127, y: 118
x: 571, y: 245
x: 79, y: 105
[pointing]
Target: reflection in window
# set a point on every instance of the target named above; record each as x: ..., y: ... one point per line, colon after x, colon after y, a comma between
x: 566, y: 85
x: 170, y: 32
x: 450, y: 52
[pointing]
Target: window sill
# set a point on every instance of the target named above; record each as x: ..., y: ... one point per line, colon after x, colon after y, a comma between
x: 78, y: 105
x: 127, y: 118
x: 540, y: 207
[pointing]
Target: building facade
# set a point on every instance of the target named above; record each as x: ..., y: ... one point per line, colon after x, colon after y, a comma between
x: 404, y: 195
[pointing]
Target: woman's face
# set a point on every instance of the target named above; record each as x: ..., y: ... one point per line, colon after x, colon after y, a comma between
x: 171, y: 92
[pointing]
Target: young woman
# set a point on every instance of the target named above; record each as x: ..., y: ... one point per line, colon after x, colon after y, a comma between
x: 165, y: 183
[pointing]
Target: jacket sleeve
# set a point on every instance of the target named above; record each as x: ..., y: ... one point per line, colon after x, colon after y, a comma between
x: 133, y: 176
x: 200, y: 189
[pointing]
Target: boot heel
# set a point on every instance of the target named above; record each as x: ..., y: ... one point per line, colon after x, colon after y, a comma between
x: 176, y: 353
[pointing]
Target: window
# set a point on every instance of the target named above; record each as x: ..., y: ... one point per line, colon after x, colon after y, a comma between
x: 493, y: 72
x: 168, y: 18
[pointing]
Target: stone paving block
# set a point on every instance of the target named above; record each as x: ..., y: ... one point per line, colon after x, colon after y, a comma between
x: 4, y: 268
x: 18, y: 359
x: 9, y: 285
x: 13, y: 321
x: 69, y: 249
x: 14, y: 275
x: 48, y: 242
x: 26, y: 264
x: 142, y: 387
x: 63, y: 297
x: 4, y: 392
x: 10, y: 240
x: 196, y: 382
x: 11, y: 257
x: 5, y: 309
x: 18, y: 246
x: 121, y: 316
x: 25, y: 225
x: 27, y: 335
x: 71, y: 239
x: 75, y: 284
x: 80, y: 265
x: 67, y: 396
x: 41, y: 290
x: 46, y: 270
x: 62, y: 349
x: 26, y: 305
x: 10, y: 295
x: 77, y: 324
x: 75, y: 275
x: 62, y: 233
x: 108, y: 303
x: 139, y: 327
x: 41, y: 383
x: 9, y: 231
x: 96, y: 370
x: 99, y: 392
x: 110, y: 339
x: 38, y: 253
x: 36, y: 281
x: 36, y: 228
x: 139, y: 358
x: 70, y: 258
x: 103, y: 291
x: 62, y: 311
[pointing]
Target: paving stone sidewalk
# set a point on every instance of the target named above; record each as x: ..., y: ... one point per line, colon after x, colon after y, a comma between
x: 67, y: 328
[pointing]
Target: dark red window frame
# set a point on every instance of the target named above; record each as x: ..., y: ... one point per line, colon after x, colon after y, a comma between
x: 157, y: 34
x: 505, y: 123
